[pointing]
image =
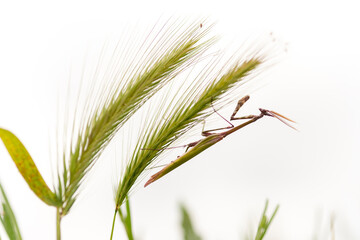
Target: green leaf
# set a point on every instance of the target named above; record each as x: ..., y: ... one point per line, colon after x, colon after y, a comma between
x: 27, y: 168
x: 265, y: 222
x: 7, y: 217
x: 126, y: 220
x: 188, y: 229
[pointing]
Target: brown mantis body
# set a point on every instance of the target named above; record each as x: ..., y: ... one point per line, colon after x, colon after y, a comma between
x: 212, y: 138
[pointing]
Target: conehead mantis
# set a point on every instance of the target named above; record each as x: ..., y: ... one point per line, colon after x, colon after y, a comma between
x: 213, y: 138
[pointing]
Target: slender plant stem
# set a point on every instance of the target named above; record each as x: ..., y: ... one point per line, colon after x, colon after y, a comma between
x: 58, y: 220
x: 113, y: 224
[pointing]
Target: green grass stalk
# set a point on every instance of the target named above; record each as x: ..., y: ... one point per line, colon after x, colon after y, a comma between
x: 58, y: 224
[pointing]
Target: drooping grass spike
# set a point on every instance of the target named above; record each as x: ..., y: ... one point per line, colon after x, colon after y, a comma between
x: 213, y: 138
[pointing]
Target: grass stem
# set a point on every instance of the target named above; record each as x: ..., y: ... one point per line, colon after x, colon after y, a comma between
x: 58, y: 221
x: 113, y: 224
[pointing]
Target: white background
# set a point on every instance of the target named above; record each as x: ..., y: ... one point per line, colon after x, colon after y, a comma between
x: 313, y: 173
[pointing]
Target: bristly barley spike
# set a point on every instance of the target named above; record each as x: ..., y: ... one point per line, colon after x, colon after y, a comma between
x: 188, y: 112
x: 213, y: 138
x: 139, y: 83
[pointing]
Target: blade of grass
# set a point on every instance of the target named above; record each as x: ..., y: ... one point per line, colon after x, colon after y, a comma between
x: 265, y: 222
x: 27, y: 168
x: 126, y: 219
x: 187, y: 225
x: 7, y: 217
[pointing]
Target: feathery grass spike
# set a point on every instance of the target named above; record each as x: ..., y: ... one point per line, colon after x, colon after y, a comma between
x: 146, y: 79
x: 213, y: 138
x: 27, y: 168
x: 185, y: 115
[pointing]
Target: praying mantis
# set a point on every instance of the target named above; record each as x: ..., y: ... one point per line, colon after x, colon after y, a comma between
x: 212, y: 138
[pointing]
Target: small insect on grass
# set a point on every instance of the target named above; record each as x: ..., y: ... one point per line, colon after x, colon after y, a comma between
x: 212, y: 138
